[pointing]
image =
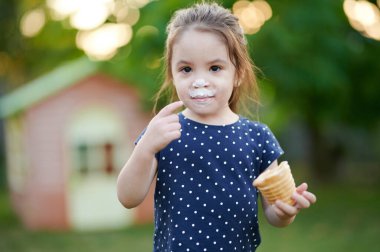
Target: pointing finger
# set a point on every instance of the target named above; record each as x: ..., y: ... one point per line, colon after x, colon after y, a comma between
x: 170, y: 109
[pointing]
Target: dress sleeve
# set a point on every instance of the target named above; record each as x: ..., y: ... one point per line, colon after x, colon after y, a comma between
x: 271, y: 149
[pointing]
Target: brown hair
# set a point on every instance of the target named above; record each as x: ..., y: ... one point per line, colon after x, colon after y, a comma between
x: 213, y: 18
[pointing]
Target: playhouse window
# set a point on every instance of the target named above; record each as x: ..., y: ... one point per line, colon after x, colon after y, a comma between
x: 95, y: 158
x: 108, y: 152
x: 83, y: 158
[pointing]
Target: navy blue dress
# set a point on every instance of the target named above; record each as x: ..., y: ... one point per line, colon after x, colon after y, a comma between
x: 204, y: 198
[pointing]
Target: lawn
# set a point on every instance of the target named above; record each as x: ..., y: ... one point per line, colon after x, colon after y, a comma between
x: 345, y: 218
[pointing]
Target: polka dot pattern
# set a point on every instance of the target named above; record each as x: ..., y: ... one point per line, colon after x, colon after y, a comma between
x: 204, y: 198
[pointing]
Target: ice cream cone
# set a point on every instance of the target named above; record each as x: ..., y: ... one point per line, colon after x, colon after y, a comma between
x: 277, y: 183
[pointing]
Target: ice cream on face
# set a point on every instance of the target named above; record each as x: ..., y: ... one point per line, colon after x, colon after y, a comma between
x: 199, y: 83
x: 199, y: 89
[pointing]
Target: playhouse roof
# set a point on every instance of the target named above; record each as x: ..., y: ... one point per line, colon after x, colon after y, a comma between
x: 46, y: 85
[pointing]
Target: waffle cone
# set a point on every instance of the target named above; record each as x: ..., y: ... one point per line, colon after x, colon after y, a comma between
x: 277, y: 184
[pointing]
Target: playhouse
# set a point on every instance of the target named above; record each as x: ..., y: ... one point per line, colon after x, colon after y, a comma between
x: 68, y: 134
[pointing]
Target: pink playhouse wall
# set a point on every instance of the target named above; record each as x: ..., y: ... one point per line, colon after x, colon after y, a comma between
x: 42, y: 203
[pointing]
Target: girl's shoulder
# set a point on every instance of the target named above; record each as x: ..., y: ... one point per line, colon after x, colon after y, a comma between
x: 260, y: 126
x: 257, y: 129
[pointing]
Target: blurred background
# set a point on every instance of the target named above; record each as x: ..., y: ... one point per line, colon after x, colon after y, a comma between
x: 76, y: 84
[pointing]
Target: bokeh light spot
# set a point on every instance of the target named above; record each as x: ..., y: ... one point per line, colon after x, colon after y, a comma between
x: 32, y: 22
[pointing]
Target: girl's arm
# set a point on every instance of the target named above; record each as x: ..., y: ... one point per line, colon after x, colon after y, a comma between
x: 281, y: 214
x: 138, y: 173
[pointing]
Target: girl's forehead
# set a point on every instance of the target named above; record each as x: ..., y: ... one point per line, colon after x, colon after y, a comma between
x: 200, y: 34
x: 206, y: 44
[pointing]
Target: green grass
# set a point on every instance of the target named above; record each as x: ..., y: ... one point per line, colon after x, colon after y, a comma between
x: 136, y: 239
x: 344, y: 219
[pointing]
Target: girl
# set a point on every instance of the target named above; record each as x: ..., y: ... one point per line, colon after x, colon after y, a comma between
x: 205, y: 158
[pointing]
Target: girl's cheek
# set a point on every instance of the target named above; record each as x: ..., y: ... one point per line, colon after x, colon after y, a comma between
x: 180, y: 91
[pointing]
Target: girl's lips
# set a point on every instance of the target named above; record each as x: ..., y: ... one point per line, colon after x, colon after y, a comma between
x: 202, y: 99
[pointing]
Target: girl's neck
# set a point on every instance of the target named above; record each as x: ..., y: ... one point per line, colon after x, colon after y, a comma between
x: 223, y: 119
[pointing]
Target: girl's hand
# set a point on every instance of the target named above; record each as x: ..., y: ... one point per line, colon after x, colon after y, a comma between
x: 303, y: 199
x: 163, y: 128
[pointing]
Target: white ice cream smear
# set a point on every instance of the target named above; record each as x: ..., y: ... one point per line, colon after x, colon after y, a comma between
x: 199, y: 83
x: 200, y: 89
x: 201, y: 93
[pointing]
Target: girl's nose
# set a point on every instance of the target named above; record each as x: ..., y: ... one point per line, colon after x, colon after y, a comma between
x: 200, y: 83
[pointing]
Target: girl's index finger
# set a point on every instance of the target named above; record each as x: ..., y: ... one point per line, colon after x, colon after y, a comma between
x: 170, y: 109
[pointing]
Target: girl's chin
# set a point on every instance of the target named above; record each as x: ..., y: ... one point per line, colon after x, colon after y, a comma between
x: 201, y: 106
x: 200, y: 110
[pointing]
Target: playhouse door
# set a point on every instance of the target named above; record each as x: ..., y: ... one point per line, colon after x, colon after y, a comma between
x: 96, y: 154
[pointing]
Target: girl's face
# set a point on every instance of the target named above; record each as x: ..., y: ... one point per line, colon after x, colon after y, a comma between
x: 204, y: 76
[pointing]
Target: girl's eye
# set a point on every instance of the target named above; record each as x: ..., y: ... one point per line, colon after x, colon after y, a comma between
x: 186, y: 69
x: 215, y: 68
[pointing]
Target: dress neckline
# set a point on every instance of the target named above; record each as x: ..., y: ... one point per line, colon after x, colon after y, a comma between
x: 205, y: 125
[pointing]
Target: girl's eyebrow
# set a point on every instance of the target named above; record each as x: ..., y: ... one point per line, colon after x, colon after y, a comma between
x: 182, y: 62
x: 215, y: 61
x: 220, y: 61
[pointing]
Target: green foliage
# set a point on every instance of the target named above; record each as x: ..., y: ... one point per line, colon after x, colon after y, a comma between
x: 317, y: 64
x: 322, y: 73
x: 307, y: 51
x: 321, y: 68
x: 28, y: 58
x: 316, y: 68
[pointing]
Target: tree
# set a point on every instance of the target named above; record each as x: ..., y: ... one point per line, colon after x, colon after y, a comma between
x: 324, y: 74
